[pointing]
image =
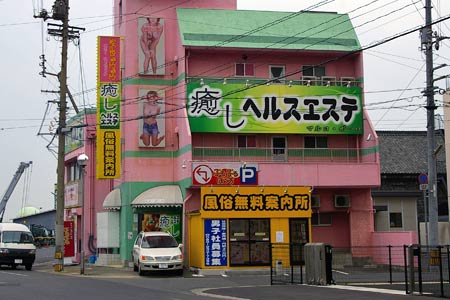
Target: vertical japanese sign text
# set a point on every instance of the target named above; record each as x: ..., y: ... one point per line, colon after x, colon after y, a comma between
x: 215, y: 242
x: 108, y: 107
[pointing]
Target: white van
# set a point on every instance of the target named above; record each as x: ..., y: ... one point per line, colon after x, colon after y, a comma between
x: 16, y: 246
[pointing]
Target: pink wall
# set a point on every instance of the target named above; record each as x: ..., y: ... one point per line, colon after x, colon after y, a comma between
x: 319, y: 174
x: 352, y: 225
x: 394, y: 238
x: 206, y: 63
x: 337, y: 235
x: 95, y: 190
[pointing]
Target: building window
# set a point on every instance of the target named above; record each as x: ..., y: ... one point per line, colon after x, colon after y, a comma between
x: 276, y: 72
x: 245, y: 70
x: 316, y: 71
x: 316, y: 142
x: 321, y: 219
x: 249, y: 242
x: 73, y: 171
x: 246, y: 141
x: 279, y: 148
x: 395, y: 220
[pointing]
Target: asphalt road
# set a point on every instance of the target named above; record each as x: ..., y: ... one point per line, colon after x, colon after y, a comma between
x: 122, y: 283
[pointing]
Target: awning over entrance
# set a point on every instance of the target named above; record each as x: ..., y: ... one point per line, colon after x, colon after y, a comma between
x: 165, y: 195
x: 113, y: 200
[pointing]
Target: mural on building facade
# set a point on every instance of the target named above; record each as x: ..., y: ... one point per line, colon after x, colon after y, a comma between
x: 152, y: 121
x: 151, y: 46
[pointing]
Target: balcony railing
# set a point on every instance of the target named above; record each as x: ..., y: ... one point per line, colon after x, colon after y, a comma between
x: 305, y: 80
x: 289, y: 155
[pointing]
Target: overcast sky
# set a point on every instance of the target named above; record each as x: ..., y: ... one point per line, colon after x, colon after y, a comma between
x: 394, y: 76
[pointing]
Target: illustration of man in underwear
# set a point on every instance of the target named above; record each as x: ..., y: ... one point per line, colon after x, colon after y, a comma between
x: 151, y: 110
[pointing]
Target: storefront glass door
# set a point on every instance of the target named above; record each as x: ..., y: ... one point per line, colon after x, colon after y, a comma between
x: 249, y: 242
x: 299, y: 233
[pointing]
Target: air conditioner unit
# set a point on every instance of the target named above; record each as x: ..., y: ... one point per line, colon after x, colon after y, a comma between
x: 328, y: 81
x: 309, y: 80
x: 315, y: 201
x: 348, y: 81
x: 341, y: 201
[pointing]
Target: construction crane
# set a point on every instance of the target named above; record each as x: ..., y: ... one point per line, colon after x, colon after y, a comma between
x: 12, y: 185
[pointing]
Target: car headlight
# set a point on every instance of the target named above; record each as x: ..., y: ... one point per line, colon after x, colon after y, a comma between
x: 177, y: 257
x: 32, y: 251
x: 143, y: 257
x: 4, y: 251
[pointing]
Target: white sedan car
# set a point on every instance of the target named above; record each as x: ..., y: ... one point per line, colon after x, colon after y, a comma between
x: 157, y: 251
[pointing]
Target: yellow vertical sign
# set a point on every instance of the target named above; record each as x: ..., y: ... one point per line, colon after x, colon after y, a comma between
x: 109, y: 89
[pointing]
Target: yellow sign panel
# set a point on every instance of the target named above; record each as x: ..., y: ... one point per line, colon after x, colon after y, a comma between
x: 255, y: 202
x: 108, y: 108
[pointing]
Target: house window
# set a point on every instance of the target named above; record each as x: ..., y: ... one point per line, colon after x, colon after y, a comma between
x: 321, y: 219
x: 73, y: 171
x: 245, y: 69
x: 276, y: 72
x: 246, y: 141
x: 316, y: 142
x: 279, y: 148
x: 395, y: 220
x: 317, y: 71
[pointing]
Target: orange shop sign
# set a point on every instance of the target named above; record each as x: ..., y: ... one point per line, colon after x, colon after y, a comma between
x: 237, y: 201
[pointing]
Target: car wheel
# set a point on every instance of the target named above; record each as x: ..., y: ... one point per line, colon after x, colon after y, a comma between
x: 179, y: 272
x: 140, y: 271
x: 135, y: 268
x: 28, y: 267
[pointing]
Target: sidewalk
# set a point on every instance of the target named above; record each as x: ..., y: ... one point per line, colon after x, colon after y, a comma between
x: 91, y: 270
x: 111, y: 271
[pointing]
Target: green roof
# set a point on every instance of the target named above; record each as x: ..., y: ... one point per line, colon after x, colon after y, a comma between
x: 266, y: 29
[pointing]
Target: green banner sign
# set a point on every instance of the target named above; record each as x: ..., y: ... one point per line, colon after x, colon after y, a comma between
x: 275, y: 109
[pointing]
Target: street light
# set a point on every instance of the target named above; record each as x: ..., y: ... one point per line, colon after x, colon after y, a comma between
x: 82, y: 160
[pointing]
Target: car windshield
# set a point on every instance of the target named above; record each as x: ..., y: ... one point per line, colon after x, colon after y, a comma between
x: 162, y: 241
x: 17, y: 237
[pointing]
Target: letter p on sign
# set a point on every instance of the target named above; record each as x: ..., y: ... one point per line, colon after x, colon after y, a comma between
x: 248, y: 175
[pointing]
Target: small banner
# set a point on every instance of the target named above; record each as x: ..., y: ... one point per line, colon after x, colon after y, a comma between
x: 69, y: 240
x: 108, y: 107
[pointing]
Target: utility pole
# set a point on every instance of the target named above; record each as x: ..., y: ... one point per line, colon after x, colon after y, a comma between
x: 59, y: 228
x: 427, y: 45
x: 60, y: 11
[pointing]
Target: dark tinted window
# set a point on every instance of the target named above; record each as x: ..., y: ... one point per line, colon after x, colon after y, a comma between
x: 159, y: 242
x: 17, y: 237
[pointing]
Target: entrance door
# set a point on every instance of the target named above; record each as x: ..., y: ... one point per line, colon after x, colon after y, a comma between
x: 299, y: 233
x: 249, y: 242
x: 279, y: 148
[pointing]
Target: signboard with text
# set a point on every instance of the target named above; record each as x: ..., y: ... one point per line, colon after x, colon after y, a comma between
x: 108, y: 108
x: 71, y: 195
x: 69, y: 240
x: 224, y: 174
x: 259, y: 202
x: 215, y: 242
x: 274, y: 109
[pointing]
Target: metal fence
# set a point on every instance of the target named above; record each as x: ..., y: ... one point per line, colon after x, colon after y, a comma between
x: 287, y: 263
x: 428, y: 270
x: 412, y: 269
